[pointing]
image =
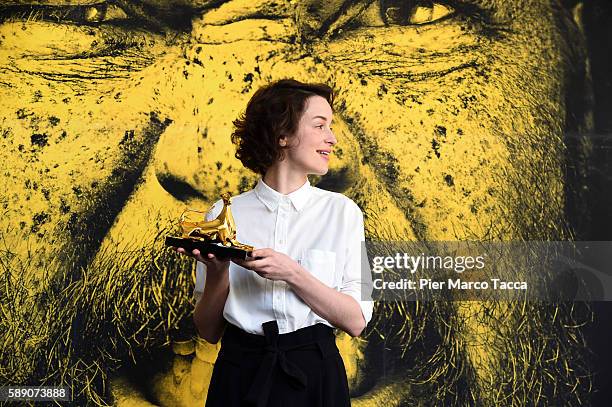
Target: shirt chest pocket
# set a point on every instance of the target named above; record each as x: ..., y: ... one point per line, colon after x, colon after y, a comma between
x: 321, y: 264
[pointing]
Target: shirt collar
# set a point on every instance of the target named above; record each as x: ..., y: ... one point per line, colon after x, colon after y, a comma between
x: 270, y: 197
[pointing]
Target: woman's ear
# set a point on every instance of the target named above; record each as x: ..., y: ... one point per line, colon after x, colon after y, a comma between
x: 283, y: 141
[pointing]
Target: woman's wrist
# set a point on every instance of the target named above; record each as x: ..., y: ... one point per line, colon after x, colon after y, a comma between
x: 296, y: 275
x: 216, y: 274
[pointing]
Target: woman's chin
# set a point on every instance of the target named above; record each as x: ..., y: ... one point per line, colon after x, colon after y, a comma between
x: 320, y: 171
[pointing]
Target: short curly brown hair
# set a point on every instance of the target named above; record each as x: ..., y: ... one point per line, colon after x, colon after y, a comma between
x: 273, y: 112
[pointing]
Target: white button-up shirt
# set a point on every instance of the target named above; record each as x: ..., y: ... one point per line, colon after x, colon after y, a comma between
x: 321, y: 230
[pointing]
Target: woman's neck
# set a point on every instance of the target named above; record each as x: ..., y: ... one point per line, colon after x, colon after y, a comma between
x: 284, y: 182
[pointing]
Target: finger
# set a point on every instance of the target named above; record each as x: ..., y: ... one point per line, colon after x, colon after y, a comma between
x: 217, y: 259
x: 255, y: 264
x: 243, y: 263
x: 209, y: 256
x: 261, y: 252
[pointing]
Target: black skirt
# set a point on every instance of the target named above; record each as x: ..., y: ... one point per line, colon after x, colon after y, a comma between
x: 300, y: 368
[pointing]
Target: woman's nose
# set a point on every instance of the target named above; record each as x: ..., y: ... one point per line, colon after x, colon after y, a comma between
x: 331, y: 138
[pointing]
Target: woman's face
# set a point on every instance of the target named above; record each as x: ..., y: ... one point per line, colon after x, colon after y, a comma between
x: 311, y: 146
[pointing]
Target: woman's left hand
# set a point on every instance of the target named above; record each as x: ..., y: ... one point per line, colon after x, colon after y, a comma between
x: 270, y: 264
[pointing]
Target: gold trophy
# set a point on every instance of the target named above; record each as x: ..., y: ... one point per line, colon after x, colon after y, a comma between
x: 217, y: 236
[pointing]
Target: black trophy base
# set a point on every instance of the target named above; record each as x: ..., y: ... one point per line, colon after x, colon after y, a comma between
x: 205, y: 248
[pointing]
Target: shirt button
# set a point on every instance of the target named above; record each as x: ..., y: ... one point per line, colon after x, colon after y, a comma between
x: 281, y: 241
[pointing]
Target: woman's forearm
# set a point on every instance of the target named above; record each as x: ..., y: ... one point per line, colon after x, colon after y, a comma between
x: 208, y: 313
x: 339, y: 309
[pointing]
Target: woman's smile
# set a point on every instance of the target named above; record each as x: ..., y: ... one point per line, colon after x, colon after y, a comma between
x: 324, y: 154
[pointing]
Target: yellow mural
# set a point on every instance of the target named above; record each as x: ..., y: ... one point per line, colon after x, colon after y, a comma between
x: 116, y: 116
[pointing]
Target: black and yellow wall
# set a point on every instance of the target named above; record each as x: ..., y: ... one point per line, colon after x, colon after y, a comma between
x: 456, y: 120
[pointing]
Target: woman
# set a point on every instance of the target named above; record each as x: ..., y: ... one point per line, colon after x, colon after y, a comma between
x: 276, y: 310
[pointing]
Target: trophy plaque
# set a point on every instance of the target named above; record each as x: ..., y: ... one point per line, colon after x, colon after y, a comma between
x: 217, y: 236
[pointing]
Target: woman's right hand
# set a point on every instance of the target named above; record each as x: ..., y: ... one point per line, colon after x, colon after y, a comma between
x: 213, y: 263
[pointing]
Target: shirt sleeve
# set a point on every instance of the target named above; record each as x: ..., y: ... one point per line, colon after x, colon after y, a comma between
x: 356, y: 277
x: 200, y: 282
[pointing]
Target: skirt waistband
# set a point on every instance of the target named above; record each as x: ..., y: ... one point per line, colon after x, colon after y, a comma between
x: 308, y: 335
